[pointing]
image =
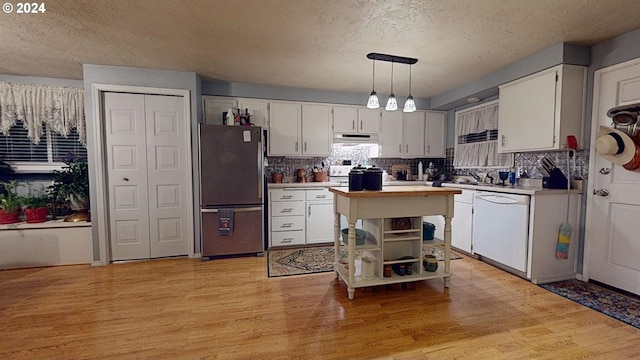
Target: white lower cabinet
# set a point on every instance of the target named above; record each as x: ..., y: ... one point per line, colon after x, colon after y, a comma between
x: 300, y: 216
x: 462, y: 222
x: 286, y: 217
x: 319, y: 222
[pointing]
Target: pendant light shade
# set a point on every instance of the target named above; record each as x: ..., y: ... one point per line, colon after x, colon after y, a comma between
x: 392, y: 103
x: 409, y: 105
x: 373, y: 102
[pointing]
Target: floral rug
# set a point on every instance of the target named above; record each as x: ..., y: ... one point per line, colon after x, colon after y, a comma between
x: 618, y: 306
x: 309, y: 260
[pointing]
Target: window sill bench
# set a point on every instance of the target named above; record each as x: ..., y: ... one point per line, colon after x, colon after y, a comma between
x: 50, y: 243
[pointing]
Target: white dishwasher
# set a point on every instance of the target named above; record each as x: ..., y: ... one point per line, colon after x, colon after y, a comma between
x: 501, y: 228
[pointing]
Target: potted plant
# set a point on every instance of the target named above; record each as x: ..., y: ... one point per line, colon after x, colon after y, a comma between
x: 71, y: 184
x: 35, y: 208
x: 9, y: 203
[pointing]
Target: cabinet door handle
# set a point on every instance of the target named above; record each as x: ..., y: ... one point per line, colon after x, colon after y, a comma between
x: 360, y: 124
x: 309, y: 211
x: 286, y: 197
x: 321, y: 196
x: 296, y: 146
x: 504, y: 138
x: 604, y: 171
x: 406, y: 148
x: 353, y: 124
x: 400, y: 148
x: 287, y: 210
x: 287, y: 240
x: 429, y: 149
x: 287, y: 225
x: 305, y: 146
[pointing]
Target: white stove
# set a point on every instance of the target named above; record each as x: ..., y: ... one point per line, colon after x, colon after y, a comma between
x: 340, y: 174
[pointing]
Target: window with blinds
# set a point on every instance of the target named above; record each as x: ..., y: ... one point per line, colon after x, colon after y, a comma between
x: 18, y: 150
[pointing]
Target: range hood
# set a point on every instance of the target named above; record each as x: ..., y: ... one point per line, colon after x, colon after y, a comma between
x: 355, y: 139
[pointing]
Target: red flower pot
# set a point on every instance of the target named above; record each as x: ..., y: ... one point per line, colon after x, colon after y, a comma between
x: 36, y: 215
x: 9, y: 217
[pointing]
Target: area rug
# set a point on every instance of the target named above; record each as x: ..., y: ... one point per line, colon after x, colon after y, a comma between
x: 310, y: 260
x: 608, y: 302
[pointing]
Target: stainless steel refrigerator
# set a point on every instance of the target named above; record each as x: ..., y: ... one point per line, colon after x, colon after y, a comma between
x: 231, y: 189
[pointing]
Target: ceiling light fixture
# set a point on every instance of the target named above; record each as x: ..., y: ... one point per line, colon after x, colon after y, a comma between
x: 409, y: 105
x: 392, y: 103
x: 373, y: 102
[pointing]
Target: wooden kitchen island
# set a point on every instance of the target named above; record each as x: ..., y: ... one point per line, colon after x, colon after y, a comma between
x: 389, y: 241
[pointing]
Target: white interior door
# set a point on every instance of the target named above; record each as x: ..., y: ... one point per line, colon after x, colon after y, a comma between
x: 612, y: 227
x: 145, y: 146
x: 166, y: 175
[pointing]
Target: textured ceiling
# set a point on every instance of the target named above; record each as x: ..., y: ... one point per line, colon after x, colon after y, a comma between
x: 313, y: 44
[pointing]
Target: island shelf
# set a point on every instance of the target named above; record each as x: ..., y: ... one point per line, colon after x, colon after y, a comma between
x: 387, y: 246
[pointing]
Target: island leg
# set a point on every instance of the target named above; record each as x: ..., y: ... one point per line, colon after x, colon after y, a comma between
x: 351, y: 238
x: 336, y: 236
x: 447, y: 249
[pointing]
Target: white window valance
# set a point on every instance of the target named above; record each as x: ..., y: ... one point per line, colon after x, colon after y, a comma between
x: 59, y: 108
x: 476, y: 142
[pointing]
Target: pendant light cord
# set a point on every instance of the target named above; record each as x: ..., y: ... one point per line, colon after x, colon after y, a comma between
x: 392, y: 78
x: 409, y: 79
x: 373, y: 82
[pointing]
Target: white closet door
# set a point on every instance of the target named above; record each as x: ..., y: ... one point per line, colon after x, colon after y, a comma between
x: 147, y: 175
x: 127, y: 176
x: 167, y: 175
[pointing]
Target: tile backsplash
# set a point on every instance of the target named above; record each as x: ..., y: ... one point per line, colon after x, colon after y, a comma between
x: 528, y: 162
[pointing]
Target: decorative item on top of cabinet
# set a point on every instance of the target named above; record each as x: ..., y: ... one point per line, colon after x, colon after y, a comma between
x: 539, y: 111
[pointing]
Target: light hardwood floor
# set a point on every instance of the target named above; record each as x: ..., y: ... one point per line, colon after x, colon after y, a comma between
x: 229, y: 309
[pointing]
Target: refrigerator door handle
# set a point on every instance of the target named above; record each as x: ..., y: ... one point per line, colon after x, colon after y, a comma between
x: 260, y: 168
x: 255, y: 208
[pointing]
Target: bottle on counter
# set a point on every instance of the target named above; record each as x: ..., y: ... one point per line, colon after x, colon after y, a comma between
x: 420, y: 172
x: 513, y: 176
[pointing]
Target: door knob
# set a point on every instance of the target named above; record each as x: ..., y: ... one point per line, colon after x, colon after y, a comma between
x: 125, y: 179
x: 604, y: 171
x: 601, y: 192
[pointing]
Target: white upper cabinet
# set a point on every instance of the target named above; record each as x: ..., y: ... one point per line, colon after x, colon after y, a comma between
x: 355, y: 120
x: 215, y: 106
x: 316, y: 130
x: 259, y: 110
x: 299, y: 130
x: 285, y: 129
x: 391, y: 134
x: 345, y: 119
x: 539, y: 111
x: 435, y: 133
x: 368, y: 121
x: 413, y: 144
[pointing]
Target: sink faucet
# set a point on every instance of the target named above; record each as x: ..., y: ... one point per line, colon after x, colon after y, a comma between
x: 490, y: 178
x: 476, y: 177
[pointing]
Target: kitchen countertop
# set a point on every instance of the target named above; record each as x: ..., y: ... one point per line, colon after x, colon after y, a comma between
x: 394, y: 191
x: 301, y: 185
x: 520, y: 189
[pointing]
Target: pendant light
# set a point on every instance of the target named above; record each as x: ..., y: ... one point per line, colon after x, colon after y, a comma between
x: 409, y: 105
x: 392, y: 104
x: 373, y: 102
